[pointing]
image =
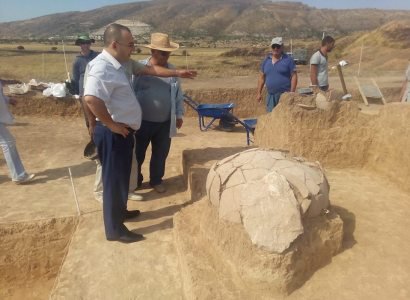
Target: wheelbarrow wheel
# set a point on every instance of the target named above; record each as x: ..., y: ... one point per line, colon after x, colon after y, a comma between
x: 226, y: 123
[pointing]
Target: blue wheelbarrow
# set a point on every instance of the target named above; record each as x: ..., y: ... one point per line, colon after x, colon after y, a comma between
x: 211, y: 111
x: 222, y: 112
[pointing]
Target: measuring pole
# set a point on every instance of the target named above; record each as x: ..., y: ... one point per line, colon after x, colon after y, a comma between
x: 43, y: 61
x: 360, y: 59
x: 65, y: 60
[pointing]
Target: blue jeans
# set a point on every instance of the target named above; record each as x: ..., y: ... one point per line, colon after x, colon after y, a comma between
x: 271, y: 101
x: 156, y: 133
x: 13, y: 161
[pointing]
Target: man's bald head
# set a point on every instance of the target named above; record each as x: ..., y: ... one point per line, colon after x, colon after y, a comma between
x: 113, y: 32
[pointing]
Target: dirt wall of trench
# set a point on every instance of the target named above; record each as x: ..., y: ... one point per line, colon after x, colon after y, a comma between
x: 30, y: 256
x: 342, y: 136
x: 246, y: 106
x: 35, y: 104
x: 244, y: 100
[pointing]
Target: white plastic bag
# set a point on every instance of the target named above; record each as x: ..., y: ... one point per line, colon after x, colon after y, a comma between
x: 47, y: 92
x: 19, y: 89
x: 58, y: 90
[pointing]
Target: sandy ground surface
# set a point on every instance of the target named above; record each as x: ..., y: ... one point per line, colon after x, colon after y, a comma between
x: 373, y: 265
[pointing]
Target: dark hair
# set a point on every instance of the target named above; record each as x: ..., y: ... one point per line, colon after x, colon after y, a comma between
x: 113, y: 33
x: 327, y: 40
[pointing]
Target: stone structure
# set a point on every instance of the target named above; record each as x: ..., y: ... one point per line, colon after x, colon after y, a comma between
x: 269, y: 193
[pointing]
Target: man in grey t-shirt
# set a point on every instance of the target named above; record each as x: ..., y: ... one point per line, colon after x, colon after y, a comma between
x: 319, y: 66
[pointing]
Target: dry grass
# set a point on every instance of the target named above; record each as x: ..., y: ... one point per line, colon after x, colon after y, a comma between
x: 40, y: 62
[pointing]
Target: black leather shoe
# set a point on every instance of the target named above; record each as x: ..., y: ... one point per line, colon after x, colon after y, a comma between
x: 130, y: 214
x: 128, y: 237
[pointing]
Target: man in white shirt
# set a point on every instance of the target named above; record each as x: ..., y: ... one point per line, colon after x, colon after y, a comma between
x: 109, y: 96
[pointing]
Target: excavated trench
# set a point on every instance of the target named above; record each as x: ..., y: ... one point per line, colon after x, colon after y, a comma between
x: 31, y: 254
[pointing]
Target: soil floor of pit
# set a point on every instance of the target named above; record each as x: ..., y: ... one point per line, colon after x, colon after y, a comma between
x: 374, y: 263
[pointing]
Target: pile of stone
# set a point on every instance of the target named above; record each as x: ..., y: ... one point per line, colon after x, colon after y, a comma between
x: 269, y: 193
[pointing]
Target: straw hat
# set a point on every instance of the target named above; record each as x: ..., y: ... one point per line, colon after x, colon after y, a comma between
x: 160, y: 41
x: 84, y: 38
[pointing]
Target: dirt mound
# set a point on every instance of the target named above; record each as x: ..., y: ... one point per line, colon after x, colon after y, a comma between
x: 342, y: 136
x: 392, y: 35
x: 9, y: 81
x: 35, y: 104
x: 397, y: 31
x: 236, y: 269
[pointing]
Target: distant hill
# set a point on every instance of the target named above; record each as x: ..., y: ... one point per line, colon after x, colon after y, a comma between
x: 210, y: 18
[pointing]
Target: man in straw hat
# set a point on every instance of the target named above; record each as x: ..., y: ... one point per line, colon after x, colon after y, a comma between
x: 110, y: 98
x: 82, y: 59
x: 162, y: 105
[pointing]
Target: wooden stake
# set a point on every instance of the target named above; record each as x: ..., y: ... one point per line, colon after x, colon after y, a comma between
x: 342, y: 80
x: 43, y: 67
x: 75, y: 194
x: 360, y: 59
x: 361, y: 91
x: 380, y: 92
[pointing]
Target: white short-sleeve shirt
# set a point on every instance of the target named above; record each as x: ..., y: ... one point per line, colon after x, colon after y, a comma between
x: 107, y: 80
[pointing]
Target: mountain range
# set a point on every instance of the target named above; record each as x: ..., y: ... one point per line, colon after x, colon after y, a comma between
x: 216, y: 18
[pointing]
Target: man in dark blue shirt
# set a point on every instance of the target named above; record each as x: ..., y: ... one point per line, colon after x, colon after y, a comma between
x: 86, y: 55
x: 278, y: 72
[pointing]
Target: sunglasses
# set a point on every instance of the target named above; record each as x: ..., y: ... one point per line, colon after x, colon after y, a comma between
x: 276, y: 46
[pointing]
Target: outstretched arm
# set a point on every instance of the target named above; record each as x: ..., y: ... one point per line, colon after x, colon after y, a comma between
x: 141, y: 69
x: 164, y: 72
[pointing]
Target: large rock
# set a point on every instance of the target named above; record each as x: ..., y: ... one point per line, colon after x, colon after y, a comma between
x: 269, y: 193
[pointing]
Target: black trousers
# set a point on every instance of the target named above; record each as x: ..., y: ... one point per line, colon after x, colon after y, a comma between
x: 156, y: 133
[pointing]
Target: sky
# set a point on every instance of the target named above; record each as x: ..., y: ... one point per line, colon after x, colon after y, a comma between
x: 13, y: 10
